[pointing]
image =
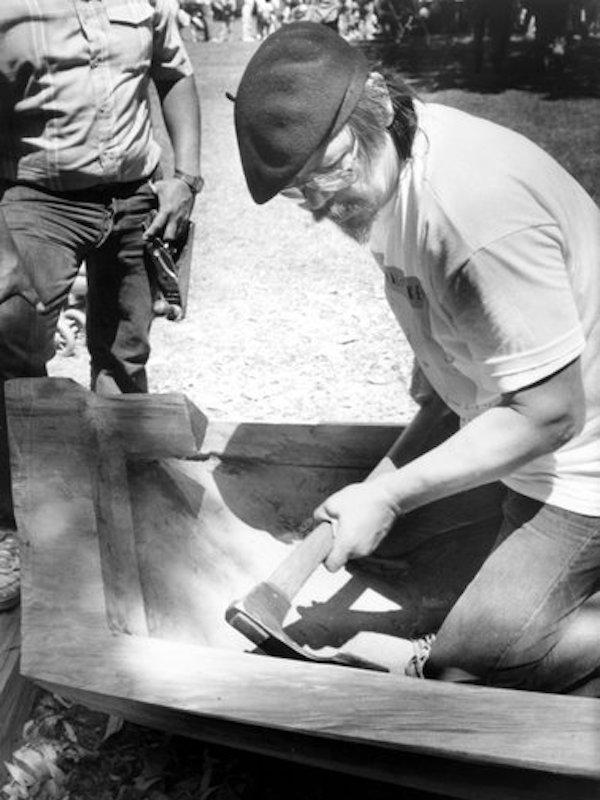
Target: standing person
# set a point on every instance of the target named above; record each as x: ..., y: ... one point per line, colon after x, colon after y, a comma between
x: 490, y: 253
x: 79, y: 178
x: 249, y: 32
x: 199, y: 18
x: 326, y: 12
x: 494, y: 17
x: 266, y: 18
x: 223, y: 12
x: 551, y: 31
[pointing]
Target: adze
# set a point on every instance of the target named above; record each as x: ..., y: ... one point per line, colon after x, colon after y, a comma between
x: 260, y: 614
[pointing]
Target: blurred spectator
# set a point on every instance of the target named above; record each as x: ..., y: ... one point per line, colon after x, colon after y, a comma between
x: 592, y: 16
x: 295, y: 10
x: 349, y: 20
x: 370, y: 26
x: 248, y: 20
x: 551, y: 32
x: 199, y: 14
x: 494, y: 18
x: 390, y: 14
x: 223, y: 13
x: 327, y: 12
x: 453, y: 17
x: 267, y: 17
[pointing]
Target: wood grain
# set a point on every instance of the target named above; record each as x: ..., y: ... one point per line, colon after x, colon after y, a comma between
x: 125, y: 608
x: 470, y: 742
x: 427, y: 772
x: 544, y: 733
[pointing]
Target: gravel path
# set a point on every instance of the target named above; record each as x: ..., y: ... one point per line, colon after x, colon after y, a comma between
x: 287, y: 319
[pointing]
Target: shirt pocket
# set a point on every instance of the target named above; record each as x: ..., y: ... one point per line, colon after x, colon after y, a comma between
x: 130, y: 13
x: 131, y: 34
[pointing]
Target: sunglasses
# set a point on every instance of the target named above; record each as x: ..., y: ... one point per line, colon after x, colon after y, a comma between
x: 329, y: 179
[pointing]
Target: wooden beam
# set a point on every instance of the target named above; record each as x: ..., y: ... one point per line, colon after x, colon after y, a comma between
x: 120, y: 572
x: 424, y: 772
x: 509, y: 731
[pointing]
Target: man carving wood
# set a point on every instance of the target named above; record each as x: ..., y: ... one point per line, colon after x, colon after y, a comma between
x: 490, y: 254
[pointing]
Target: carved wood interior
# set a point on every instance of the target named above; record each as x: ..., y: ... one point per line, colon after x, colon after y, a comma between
x: 141, y: 520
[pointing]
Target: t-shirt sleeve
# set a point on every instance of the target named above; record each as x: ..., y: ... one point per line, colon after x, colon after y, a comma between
x: 170, y: 61
x: 512, y: 304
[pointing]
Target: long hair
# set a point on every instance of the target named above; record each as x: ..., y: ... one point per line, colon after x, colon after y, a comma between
x: 368, y: 121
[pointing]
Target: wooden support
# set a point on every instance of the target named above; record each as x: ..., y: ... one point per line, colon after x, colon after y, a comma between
x: 120, y: 573
x: 205, y: 531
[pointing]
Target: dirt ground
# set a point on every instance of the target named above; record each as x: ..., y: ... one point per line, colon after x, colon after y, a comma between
x: 286, y: 321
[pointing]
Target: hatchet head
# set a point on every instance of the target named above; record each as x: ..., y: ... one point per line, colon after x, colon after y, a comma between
x: 259, y: 616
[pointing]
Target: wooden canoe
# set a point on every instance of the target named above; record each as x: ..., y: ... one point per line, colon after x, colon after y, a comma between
x: 141, y: 520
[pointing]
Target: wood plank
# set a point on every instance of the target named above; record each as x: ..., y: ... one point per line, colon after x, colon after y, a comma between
x: 409, y: 769
x: 120, y: 571
x: 316, y: 445
x: 524, y: 730
x: 17, y: 694
x: 68, y: 642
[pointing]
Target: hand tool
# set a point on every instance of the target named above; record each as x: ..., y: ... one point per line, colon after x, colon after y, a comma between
x: 260, y: 614
x: 170, y: 263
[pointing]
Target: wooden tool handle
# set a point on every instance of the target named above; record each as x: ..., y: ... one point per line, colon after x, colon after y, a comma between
x: 291, y: 575
x: 293, y: 572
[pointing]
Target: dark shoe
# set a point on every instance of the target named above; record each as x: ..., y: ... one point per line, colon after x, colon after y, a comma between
x: 10, y: 571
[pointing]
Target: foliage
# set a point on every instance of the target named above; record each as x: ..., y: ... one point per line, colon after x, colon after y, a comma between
x: 72, y: 753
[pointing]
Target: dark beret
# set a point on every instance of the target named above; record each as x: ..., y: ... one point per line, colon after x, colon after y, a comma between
x: 296, y: 93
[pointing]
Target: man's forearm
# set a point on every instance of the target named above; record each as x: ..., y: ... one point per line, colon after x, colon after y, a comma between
x: 487, y: 449
x: 529, y: 423
x: 181, y: 111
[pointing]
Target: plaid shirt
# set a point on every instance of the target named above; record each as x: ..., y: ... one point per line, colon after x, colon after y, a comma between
x: 74, y: 74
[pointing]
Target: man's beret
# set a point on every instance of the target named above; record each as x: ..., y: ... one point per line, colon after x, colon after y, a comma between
x: 296, y: 93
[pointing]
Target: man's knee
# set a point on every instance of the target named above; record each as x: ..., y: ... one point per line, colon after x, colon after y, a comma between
x: 490, y: 644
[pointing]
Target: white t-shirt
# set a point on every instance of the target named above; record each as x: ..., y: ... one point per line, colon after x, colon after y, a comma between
x: 491, y: 256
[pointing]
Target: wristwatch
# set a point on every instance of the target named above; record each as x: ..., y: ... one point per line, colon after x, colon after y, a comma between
x: 195, y: 182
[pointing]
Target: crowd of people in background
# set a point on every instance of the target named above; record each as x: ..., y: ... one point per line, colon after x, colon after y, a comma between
x: 550, y: 22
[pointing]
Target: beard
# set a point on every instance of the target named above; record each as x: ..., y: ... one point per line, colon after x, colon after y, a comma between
x: 355, y: 219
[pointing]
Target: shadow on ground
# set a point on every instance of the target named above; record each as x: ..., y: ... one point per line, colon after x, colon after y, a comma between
x: 448, y: 64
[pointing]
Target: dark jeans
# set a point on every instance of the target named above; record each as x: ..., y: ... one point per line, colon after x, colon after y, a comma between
x: 54, y: 232
x: 529, y: 618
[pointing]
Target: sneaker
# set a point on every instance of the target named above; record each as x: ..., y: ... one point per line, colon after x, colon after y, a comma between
x: 10, y: 572
x: 421, y: 652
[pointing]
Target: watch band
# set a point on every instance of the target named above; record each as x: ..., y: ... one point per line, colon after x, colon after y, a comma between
x: 195, y: 182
